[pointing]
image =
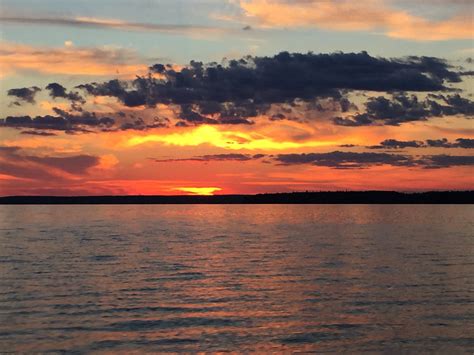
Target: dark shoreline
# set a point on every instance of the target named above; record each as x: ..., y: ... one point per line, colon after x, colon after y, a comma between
x: 349, y: 197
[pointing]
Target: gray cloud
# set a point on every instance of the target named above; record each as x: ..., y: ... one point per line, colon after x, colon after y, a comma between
x: 85, y: 22
x: 447, y: 161
x: 38, y: 133
x: 440, y: 143
x: 68, y: 123
x: 215, y: 157
x: 24, y: 94
x: 235, y: 91
x: 345, y: 160
x: 351, y: 160
x: 16, y: 163
x: 287, y: 85
x: 443, y: 143
x: 396, y: 144
x: 57, y: 90
x: 337, y: 159
x: 403, y: 108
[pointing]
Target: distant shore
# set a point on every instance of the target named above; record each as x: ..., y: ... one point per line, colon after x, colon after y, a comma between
x: 343, y: 197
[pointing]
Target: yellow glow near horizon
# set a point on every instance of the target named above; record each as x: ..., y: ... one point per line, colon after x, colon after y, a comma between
x: 223, y: 139
x: 204, y: 191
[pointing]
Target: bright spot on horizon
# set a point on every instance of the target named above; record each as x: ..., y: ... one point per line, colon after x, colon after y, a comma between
x: 203, y: 191
x: 68, y: 43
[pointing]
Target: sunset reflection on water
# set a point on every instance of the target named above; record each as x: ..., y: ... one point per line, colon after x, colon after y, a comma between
x: 269, y: 278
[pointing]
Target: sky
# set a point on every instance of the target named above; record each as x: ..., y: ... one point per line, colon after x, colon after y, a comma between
x: 112, y: 97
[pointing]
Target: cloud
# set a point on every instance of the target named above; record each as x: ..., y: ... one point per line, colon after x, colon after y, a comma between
x: 363, y: 15
x: 345, y: 160
x: 403, y: 108
x: 238, y: 90
x: 14, y: 162
x: 215, y: 157
x: 78, y: 120
x: 286, y: 86
x: 447, y: 161
x: 466, y: 143
x: 64, y: 122
x: 24, y: 94
x: 57, y: 90
x: 396, y: 144
x: 351, y: 160
x: 16, y: 58
x: 116, y: 24
x: 39, y: 133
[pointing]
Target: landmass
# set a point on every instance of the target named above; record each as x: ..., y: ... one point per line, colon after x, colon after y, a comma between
x: 340, y: 197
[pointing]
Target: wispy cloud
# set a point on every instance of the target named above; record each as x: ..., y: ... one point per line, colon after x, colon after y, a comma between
x: 117, y: 24
x: 69, y: 60
x: 363, y: 15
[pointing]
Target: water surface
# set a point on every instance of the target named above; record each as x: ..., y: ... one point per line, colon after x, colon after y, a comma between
x: 268, y: 278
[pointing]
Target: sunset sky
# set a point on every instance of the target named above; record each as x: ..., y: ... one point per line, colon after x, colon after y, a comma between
x: 226, y: 96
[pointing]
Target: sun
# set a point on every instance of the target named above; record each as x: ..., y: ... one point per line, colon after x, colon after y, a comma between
x: 203, y: 191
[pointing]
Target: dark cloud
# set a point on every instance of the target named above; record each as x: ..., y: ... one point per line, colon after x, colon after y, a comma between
x: 345, y: 160
x: 140, y: 125
x: 437, y: 143
x: 16, y: 163
x: 24, y: 94
x: 158, y: 68
x: 286, y: 86
x: 405, y: 108
x: 215, y: 157
x: 359, y: 119
x: 338, y: 159
x: 57, y: 90
x: 84, y: 119
x: 241, y: 89
x: 443, y: 143
x: 396, y: 144
x: 38, y: 133
x: 278, y: 117
x: 63, y: 122
x: 191, y: 116
x: 39, y: 122
x: 447, y: 161
x: 351, y: 160
x: 465, y: 143
x: 455, y: 105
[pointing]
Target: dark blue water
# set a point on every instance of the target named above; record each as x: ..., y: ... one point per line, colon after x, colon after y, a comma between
x: 243, y: 278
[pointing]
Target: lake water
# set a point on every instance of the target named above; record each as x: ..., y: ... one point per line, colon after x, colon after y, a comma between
x: 265, y: 278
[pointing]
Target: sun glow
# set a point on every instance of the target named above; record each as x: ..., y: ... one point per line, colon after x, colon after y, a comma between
x: 223, y: 139
x: 203, y: 191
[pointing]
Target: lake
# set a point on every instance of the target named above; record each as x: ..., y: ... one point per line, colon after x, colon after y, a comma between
x: 243, y: 278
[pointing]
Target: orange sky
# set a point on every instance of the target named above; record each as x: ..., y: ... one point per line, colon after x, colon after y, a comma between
x: 110, y: 105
